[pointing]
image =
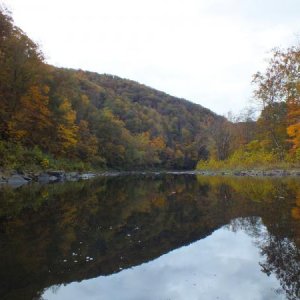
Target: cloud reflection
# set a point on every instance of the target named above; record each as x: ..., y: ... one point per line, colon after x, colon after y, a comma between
x: 225, y: 265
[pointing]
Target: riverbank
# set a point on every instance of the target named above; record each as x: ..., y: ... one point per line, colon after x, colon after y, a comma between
x: 16, y: 179
x: 253, y: 172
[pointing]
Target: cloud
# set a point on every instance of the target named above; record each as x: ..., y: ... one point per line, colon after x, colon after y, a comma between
x: 204, y: 51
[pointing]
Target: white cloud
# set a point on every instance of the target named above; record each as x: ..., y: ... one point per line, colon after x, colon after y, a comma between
x: 204, y: 51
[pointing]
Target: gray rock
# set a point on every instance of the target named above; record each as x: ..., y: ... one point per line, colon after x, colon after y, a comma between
x: 3, y: 179
x: 17, y: 180
x: 59, y: 174
x: 44, y: 178
x: 237, y: 173
x: 72, y: 176
x: 54, y: 178
x: 86, y: 176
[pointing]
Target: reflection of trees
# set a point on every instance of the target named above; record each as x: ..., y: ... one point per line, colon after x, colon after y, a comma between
x: 282, y: 258
x: 122, y: 222
x: 281, y: 255
x: 279, y: 238
x: 251, y: 225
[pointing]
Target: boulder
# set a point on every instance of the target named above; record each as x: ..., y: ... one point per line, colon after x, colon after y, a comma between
x: 237, y: 173
x: 17, y: 180
x: 87, y: 176
x: 54, y: 178
x: 72, y: 176
x: 44, y: 178
x: 3, y: 179
x: 60, y: 175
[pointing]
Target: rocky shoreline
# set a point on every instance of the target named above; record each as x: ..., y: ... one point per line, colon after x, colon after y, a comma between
x: 16, y: 179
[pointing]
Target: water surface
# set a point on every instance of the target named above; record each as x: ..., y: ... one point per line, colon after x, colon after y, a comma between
x: 151, y: 237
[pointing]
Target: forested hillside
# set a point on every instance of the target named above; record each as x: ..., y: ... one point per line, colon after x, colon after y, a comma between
x: 49, y: 114
x: 73, y: 119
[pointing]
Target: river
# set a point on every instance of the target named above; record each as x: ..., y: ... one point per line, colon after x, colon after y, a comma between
x: 151, y: 236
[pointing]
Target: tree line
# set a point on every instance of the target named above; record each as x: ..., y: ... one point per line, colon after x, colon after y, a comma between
x: 63, y: 118
x: 52, y: 117
x: 274, y: 138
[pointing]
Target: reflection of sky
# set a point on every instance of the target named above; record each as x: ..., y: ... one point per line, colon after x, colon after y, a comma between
x: 222, y: 266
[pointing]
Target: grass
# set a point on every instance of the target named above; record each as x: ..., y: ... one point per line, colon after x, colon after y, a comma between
x: 246, y: 160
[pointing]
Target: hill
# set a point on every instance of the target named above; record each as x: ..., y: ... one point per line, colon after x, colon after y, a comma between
x: 49, y: 114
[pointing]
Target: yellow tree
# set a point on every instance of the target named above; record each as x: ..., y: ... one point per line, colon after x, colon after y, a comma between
x: 32, y: 121
x: 293, y: 130
x: 113, y: 138
x: 87, y: 146
x: 21, y: 67
x: 66, y: 129
x: 278, y: 88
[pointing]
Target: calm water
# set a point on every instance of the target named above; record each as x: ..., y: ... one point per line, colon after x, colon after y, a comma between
x: 151, y: 237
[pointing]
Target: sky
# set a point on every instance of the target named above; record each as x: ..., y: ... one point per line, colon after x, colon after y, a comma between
x: 205, y: 51
x: 224, y: 265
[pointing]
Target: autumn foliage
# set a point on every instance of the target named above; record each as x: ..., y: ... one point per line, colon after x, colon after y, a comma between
x: 273, y: 140
x: 105, y: 121
x: 100, y: 120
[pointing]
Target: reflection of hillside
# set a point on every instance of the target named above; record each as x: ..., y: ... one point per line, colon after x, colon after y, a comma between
x: 47, y: 232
